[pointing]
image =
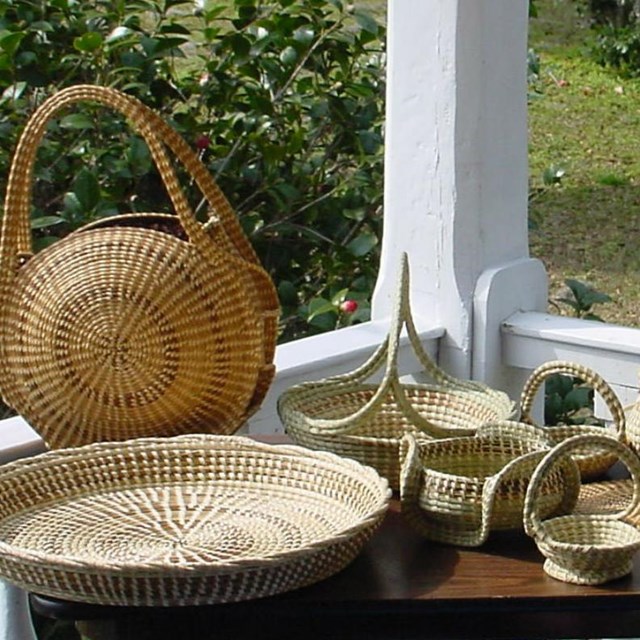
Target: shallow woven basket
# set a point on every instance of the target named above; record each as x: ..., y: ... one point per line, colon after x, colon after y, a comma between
x: 364, y: 420
x: 593, y: 462
x: 583, y: 548
x: 458, y: 490
x: 136, y: 325
x: 179, y: 521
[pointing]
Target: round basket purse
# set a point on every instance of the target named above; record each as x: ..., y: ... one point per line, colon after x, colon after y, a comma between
x: 138, y: 324
x: 593, y: 462
x: 458, y: 490
x: 190, y: 520
x: 364, y: 420
x: 578, y: 547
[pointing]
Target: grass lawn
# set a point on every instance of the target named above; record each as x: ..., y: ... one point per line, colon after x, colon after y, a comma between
x: 585, y: 122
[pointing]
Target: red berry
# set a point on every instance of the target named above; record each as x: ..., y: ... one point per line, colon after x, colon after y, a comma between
x: 349, y: 306
x: 203, y: 142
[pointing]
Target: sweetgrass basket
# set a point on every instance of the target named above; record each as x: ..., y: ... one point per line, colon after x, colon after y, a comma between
x: 189, y: 520
x: 593, y: 462
x: 137, y: 325
x: 354, y: 417
x: 458, y: 490
x: 585, y: 548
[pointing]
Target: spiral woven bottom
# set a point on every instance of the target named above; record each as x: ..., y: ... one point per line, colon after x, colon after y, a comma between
x: 182, y: 521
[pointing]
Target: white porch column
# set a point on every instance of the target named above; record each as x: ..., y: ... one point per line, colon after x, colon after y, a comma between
x: 456, y: 172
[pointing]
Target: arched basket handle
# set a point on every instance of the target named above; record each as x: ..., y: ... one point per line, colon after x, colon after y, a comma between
x: 590, y: 377
x: 16, y: 231
x: 387, y: 355
x: 532, y: 521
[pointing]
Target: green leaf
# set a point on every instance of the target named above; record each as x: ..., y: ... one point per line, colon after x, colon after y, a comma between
x: 13, y: 92
x: 88, y: 42
x: 287, y: 293
x: 119, y: 33
x: 288, y: 56
x: 76, y: 121
x: 86, y: 188
x: 578, y: 398
x: 366, y: 21
x: 10, y: 41
x: 339, y: 297
x: 362, y: 244
x: 45, y: 221
x: 319, y: 306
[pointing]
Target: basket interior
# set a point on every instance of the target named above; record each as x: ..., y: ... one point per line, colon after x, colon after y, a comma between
x: 453, y: 410
x: 181, y: 505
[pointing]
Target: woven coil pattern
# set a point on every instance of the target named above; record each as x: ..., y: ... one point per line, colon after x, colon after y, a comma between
x: 593, y: 462
x: 352, y: 416
x: 136, y: 325
x: 458, y: 490
x: 584, y: 548
x: 633, y: 426
x: 194, y: 519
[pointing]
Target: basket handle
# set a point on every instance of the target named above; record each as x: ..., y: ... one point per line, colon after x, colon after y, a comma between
x: 387, y: 353
x: 532, y: 521
x: 593, y: 379
x: 16, y: 231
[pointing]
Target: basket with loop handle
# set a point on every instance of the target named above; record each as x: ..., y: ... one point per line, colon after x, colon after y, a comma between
x: 139, y: 324
x: 458, y: 490
x: 592, y: 462
x: 578, y: 547
x: 365, y: 420
x: 633, y: 425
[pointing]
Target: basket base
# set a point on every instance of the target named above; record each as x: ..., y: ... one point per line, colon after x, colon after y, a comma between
x: 567, y: 574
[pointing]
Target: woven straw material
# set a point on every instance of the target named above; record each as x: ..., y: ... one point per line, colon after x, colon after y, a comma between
x: 593, y: 462
x: 354, y: 417
x: 633, y: 426
x: 190, y: 520
x: 458, y: 490
x: 585, y: 548
x: 136, y: 325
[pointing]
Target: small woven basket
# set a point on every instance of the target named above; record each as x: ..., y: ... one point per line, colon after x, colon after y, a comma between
x: 136, y: 325
x: 458, y: 490
x: 593, y: 462
x: 582, y: 548
x: 633, y: 426
x: 189, y: 520
x: 364, y: 420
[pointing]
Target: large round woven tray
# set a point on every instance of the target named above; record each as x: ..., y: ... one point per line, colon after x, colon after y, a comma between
x: 189, y: 520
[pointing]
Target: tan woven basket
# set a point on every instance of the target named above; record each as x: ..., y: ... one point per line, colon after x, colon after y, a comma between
x: 458, y: 490
x: 364, y: 420
x: 582, y: 548
x: 593, y: 463
x: 137, y: 325
x: 633, y: 426
x: 189, y: 520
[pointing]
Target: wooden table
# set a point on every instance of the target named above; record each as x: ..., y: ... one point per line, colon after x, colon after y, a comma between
x: 401, y: 587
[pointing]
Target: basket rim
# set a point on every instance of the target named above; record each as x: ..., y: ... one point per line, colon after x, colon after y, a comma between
x: 367, y: 474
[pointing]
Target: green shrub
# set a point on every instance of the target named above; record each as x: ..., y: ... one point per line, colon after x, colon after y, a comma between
x: 284, y: 100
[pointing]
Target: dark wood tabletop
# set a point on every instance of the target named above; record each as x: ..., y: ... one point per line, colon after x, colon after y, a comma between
x: 400, y: 587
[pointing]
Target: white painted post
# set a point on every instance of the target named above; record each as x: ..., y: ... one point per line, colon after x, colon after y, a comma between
x: 456, y: 171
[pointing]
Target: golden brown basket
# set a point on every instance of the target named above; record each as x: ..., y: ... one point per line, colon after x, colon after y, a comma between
x: 137, y: 325
x: 364, y: 420
x: 593, y: 463
x: 583, y: 548
x: 189, y: 520
x: 458, y: 490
